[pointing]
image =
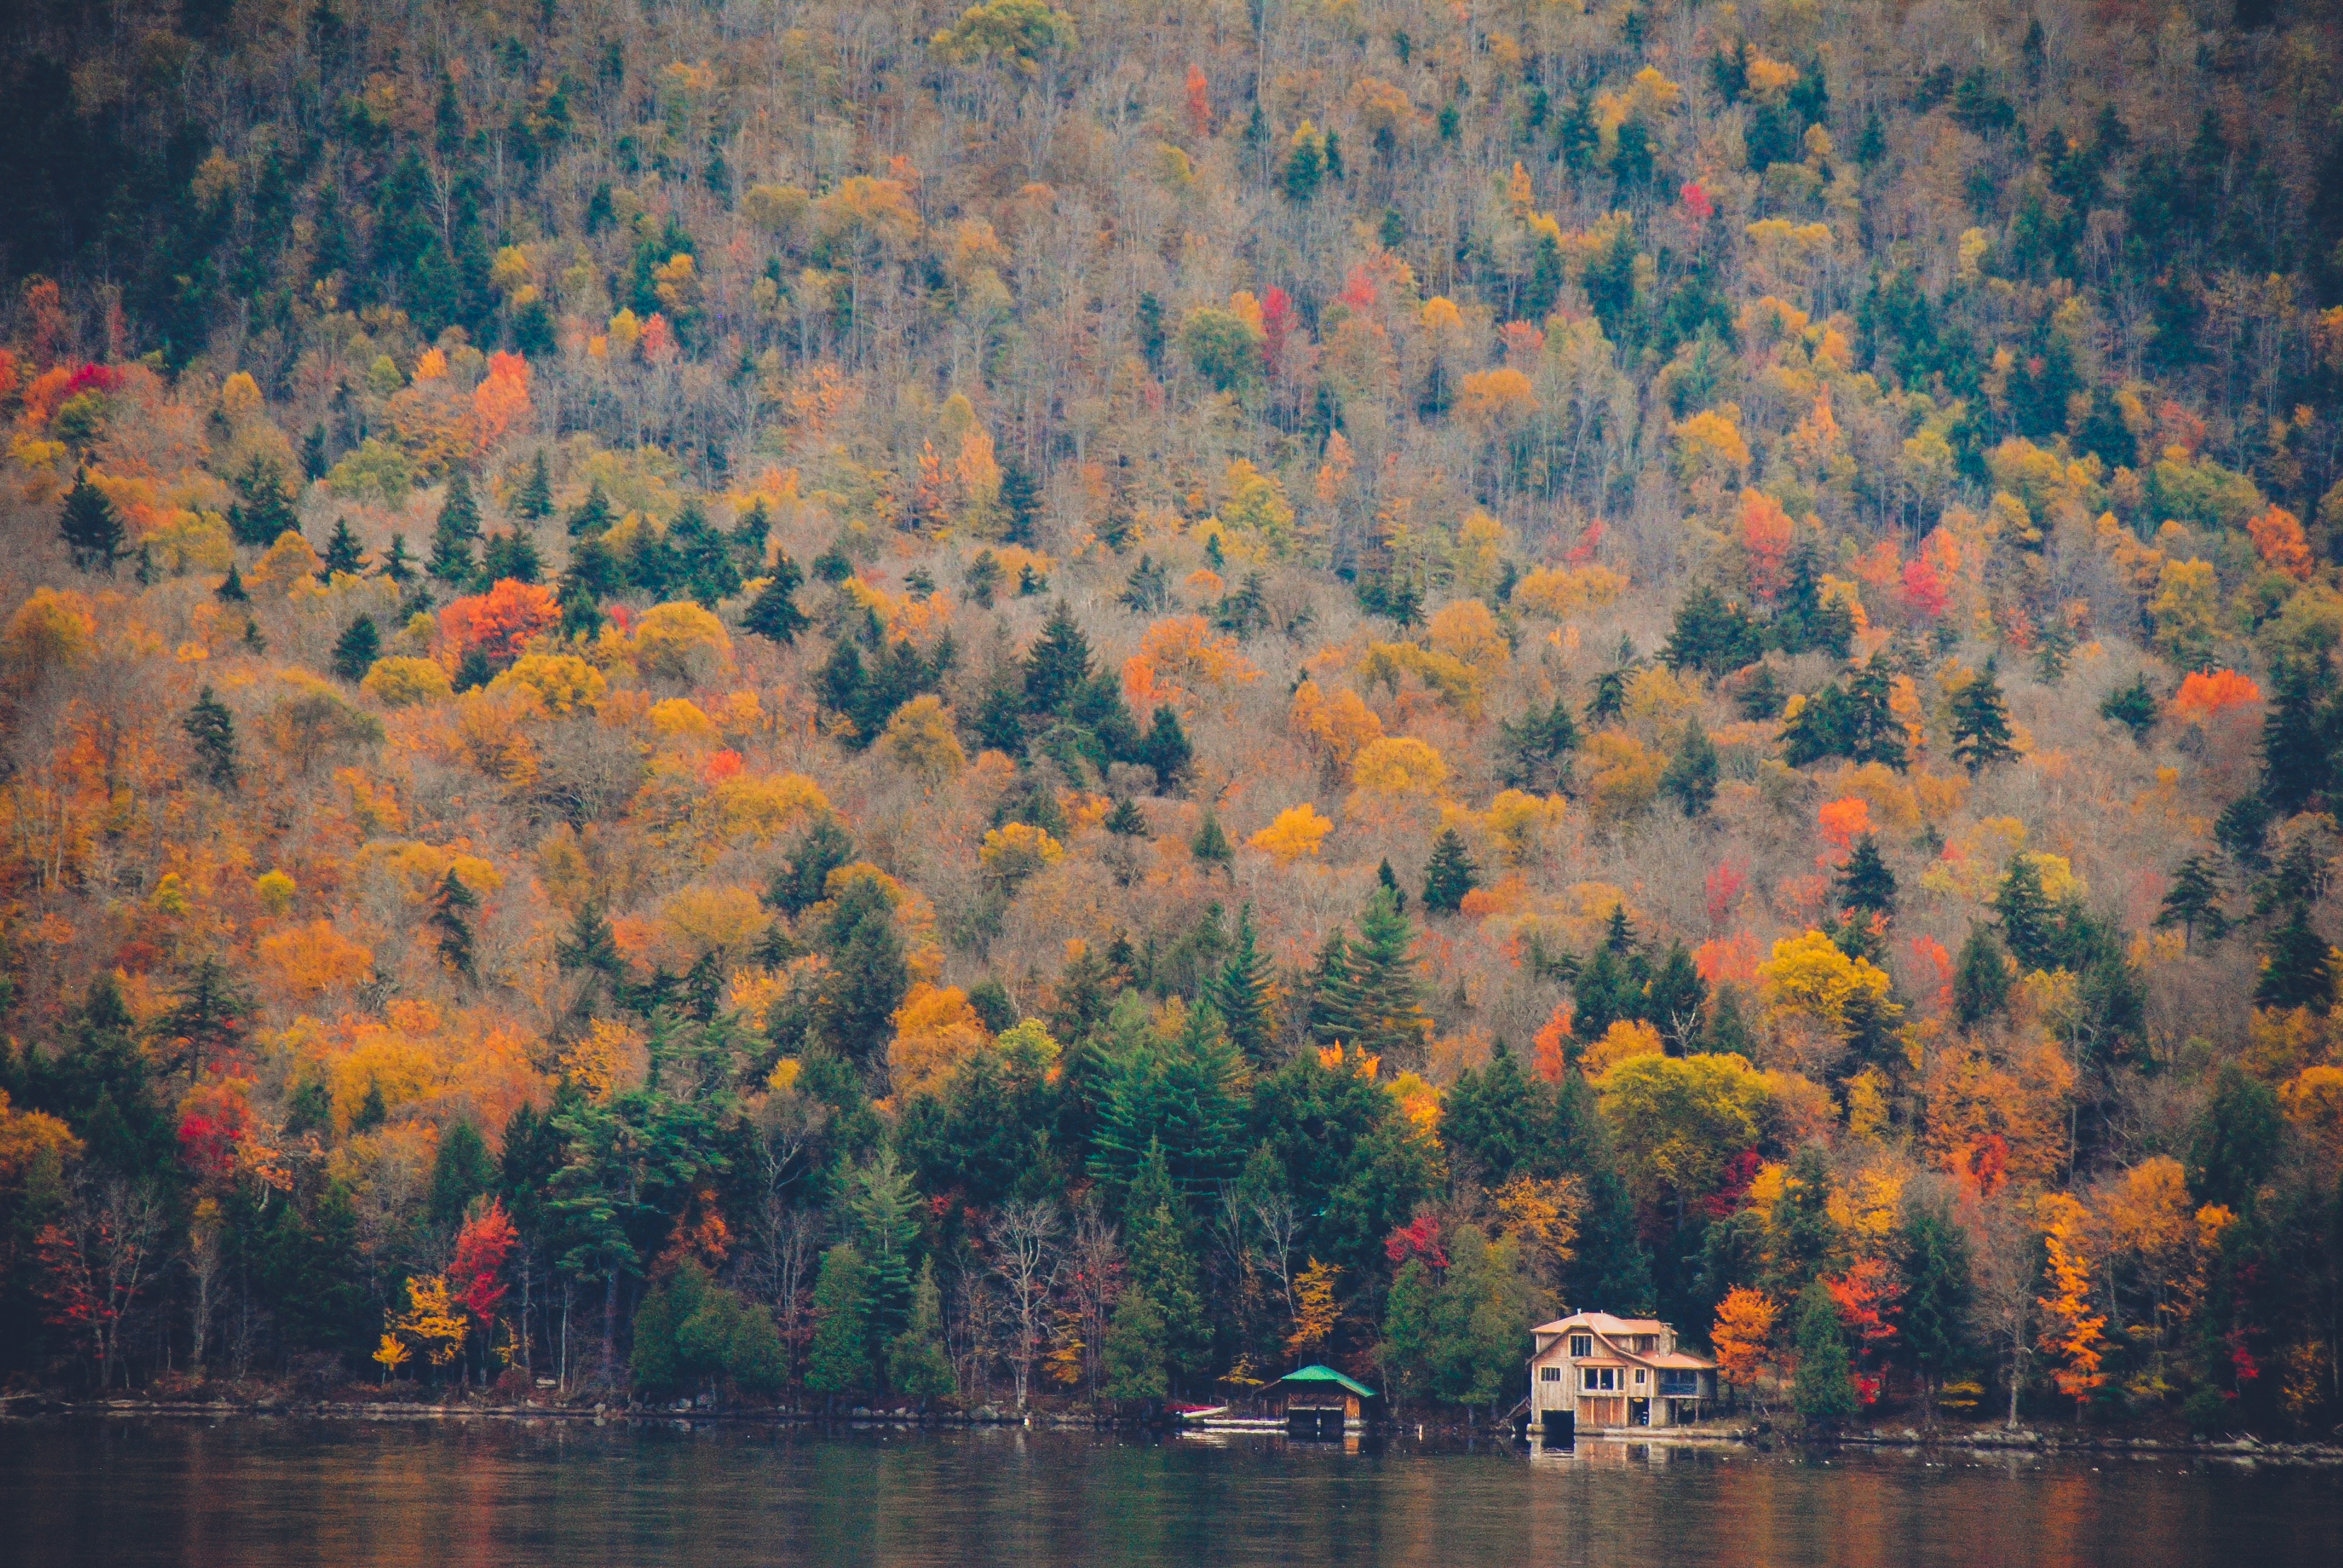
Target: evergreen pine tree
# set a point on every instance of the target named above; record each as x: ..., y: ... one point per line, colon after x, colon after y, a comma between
x: 1933, y: 1315
x: 1710, y: 636
x: 231, y: 590
x: 703, y: 556
x: 1058, y: 663
x: 1537, y: 748
x: 2297, y: 744
x: 2193, y: 902
x: 1823, y: 1387
x: 2134, y: 706
x: 1449, y: 875
x: 2028, y: 924
x: 344, y: 554
x: 1762, y: 698
x: 885, y: 1207
x: 591, y: 517
x: 1165, y: 748
x: 533, y: 502
x: 452, y: 904
x: 1865, y: 882
x: 774, y: 614
x: 1692, y: 773
x: 752, y: 533
x: 452, y: 537
x: 1380, y: 996
x: 314, y: 462
x: 208, y: 1018
x: 357, y: 649
x: 511, y: 554
x: 1148, y: 591
x: 1021, y: 502
x: 1981, y: 722
x: 917, y: 1362
x: 1211, y: 845
x: 1388, y: 880
x: 1126, y: 820
x: 1980, y: 978
x: 1240, y: 992
x: 398, y: 567
x: 1134, y: 1353
x: 91, y: 527
x: 1162, y: 1264
x: 211, y: 727
x: 2298, y: 966
x: 1330, y: 977
x: 263, y: 512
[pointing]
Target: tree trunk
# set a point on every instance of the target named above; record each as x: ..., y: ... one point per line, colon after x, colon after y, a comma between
x: 611, y: 1331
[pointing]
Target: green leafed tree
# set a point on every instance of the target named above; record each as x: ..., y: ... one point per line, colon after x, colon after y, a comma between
x: 838, y: 1361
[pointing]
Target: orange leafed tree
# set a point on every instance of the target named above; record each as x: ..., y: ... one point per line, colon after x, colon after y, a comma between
x: 2072, y: 1333
x: 1766, y: 535
x: 500, y: 622
x: 500, y: 404
x: 2205, y: 695
x: 2277, y: 536
x: 1744, y: 1335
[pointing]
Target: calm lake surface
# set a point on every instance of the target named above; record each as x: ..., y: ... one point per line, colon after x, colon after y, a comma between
x: 294, y: 1491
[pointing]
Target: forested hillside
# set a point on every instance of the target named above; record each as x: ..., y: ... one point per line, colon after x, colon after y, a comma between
x: 851, y: 702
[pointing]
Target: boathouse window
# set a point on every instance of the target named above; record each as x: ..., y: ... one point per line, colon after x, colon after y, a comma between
x: 1548, y: 1374
x: 1640, y: 1376
x: 1581, y: 1346
x: 1599, y: 1378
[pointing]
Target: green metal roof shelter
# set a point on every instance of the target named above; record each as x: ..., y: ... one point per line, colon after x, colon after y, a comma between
x: 1328, y: 1381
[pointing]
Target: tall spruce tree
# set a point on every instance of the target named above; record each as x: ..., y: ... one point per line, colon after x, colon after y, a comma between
x: 1690, y: 780
x: 357, y: 649
x: 2298, y: 743
x: 452, y: 905
x: 211, y: 727
x: 2298, y: 966
x: 1823, y: 1387
x: 592, y: 517
x: 343, y: 555
x: 1710, y: 636
x: 1865, y: 882
x: 1981, y: 722
x: 1450, y: 874
x: 263, y: 511
x: 2192, y: 903
x: 774, y: 614
x: 1240, y: 992
x: 533, y: 502
x: 1376, y: 1001
x: 90, y: 528
x: 1981, y: 978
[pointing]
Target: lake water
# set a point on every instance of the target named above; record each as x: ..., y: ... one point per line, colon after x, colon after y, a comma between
x: 256, y: 1493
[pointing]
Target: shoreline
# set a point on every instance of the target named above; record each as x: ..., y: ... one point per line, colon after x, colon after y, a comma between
x: 2241, y: 1450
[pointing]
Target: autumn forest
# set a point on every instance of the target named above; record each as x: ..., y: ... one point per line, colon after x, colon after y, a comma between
x: 790, y: 703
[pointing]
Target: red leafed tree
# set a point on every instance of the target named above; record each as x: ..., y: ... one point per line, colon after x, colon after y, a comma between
x: 96, y: 1261
x: 477, y: 1273
x: 1864, y: 1295
x: 215, y: 1121
x: 1200, y: 102
x: 1418, y: 1238
x: 1277, y: 324
x: 1923, y: 593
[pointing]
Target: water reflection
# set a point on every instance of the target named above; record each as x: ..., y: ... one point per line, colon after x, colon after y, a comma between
x: 687, y: 1492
